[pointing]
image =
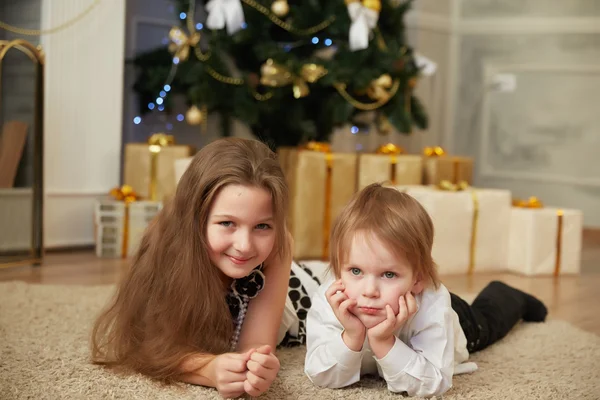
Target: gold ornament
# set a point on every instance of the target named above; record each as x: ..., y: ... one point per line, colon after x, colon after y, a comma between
x: 277, y: 75
x: 377, y: 89
x: 181, y: 43
x: 384, y: 127
x: 280, y: 8
x: 194, y: 116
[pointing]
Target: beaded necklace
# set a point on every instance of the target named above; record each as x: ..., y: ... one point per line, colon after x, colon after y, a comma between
x: 241, y: 292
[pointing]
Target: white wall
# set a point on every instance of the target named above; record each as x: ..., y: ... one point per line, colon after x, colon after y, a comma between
x: 83, y: 114
x: 541, y: 138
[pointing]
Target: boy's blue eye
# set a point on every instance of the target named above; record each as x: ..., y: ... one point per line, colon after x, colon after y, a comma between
x: 263, y: 226
x: 390, y: 275
x: 226, y: 224
x: 355, y: 271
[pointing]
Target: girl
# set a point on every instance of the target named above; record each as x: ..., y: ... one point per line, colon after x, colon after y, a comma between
x: 204, y: 298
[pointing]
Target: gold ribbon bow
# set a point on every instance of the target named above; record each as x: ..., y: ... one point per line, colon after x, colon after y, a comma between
x: 318, y: 146
x: 181, y: 43
x: 436, y: 151
x: 124, y: 193
x: 277, y: 75
x: 324, y: 148
x: 453, y: 187
x: 155, y: 144
x: 390, y: 148
x: 532, y: 202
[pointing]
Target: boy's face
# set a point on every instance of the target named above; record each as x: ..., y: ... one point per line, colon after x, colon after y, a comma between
x: 374, y: 276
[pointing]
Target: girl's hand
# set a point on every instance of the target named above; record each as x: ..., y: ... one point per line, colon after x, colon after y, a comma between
x: 230, y: 373
x: 263, y: 367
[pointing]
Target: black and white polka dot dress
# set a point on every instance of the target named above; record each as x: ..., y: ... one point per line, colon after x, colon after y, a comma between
x: 304, y: 281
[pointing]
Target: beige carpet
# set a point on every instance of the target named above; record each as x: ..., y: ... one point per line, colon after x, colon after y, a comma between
x: 44, y: 355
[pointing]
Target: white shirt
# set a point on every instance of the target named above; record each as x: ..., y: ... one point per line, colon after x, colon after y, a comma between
x: 429, y: 349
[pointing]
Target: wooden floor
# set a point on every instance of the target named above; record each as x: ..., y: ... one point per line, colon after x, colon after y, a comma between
x: 571, y: 298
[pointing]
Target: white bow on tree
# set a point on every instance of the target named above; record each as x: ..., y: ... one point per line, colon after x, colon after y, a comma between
x: 225, y: 13
x: 364, y: 15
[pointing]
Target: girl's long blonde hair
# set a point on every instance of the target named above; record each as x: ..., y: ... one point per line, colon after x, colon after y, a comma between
x: 171, y: 303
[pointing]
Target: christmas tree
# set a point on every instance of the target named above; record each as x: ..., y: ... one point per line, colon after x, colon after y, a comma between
x: 292, y: 70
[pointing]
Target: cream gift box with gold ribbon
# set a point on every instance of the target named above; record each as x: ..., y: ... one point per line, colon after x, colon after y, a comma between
x: 544, y: 240
x: 320, y: 184
x: 471, y: 226
x: 150, y: 167
x: 389, y: 164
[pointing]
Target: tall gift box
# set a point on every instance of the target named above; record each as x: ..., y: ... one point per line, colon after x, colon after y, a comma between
x: 320, y: 184
x: 439, y: 167
x: 544, y: 240
x: 389, y: 164
x: 150, y: 167
x: 471, y: 226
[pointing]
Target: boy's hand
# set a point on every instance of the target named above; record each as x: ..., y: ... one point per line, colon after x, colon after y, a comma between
x: 263, y: 367
x: 354, y: 330
x: 381, y: 336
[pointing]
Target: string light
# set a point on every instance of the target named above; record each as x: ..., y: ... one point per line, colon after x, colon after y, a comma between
x: 159, y: 101
x: 137, y: 120
x: 175, y: 60
x: 165, y: 40
x: 161, y: 108
x: 182, y: 15
x: 167, y: 88
x: 163, y: 93
x: 199, y: 26
x: 169, y: 126
x: 244, y: 25
x: 354, y: 130
x: 315, y: 40
x: 180, y: 117
x: 328, y: 42
x: 151, y: 106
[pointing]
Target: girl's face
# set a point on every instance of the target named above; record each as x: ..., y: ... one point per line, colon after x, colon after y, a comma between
x: 240, y: 229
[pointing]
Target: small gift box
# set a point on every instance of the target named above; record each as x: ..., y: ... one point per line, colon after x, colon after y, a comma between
x: 389, y: 164
x: 150, y: 167
x: 544, y: 240
x: 320, y: 183
x: 120, y: 222
x: 438, y: 167
x: 471, y: 226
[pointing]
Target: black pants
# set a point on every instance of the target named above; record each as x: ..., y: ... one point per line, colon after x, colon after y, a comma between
x: 492, y: 315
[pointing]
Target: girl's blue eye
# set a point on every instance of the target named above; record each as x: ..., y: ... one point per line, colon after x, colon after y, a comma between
x: 389, y: 275
x: 355, y: 271
x: 263, y: 226
x: 226, y: 224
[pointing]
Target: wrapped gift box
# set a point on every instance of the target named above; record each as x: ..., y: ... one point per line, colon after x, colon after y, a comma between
x: 320, y: 186
x: 138, y: 163
x: 543, y: 242
x: 401, y: 169
x: 119, y: 226
x: 447, y: 168
x: 471, y: 227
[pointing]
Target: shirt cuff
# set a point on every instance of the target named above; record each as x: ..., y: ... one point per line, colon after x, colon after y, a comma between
x: 344, y: 356
x: 394, y: 362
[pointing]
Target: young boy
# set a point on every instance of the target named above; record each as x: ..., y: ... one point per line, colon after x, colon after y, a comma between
x: 387, y: 313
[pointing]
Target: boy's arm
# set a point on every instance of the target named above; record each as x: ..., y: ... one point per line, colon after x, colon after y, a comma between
x: 424, y: 368
x: 329, y: 362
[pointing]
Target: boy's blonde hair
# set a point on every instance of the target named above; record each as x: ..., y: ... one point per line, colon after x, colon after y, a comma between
x: 393, y: 217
